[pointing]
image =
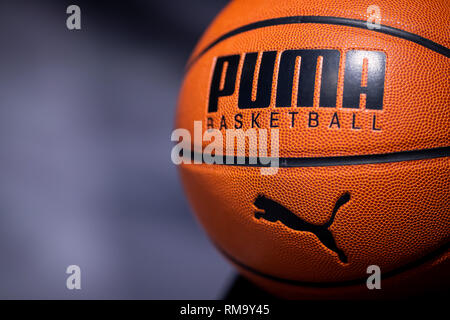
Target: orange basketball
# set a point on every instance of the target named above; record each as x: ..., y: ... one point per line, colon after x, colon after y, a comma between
x: 360, y: 96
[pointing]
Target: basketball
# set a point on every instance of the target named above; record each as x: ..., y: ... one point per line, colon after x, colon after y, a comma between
x: 351, y: 100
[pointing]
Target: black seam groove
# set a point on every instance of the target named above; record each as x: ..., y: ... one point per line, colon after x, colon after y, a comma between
x: 436, y: 47
x: 340, y: 160
x: 346, y: 283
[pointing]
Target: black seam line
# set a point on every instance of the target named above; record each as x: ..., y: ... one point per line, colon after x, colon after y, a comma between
x: 346, y: 283
x: 336, y: 161
x: 436, y: 47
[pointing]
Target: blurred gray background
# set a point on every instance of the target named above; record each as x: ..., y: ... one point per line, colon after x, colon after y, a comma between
x: 86, y: 176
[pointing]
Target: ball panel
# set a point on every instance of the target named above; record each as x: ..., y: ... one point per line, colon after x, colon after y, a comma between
x: 388, y: 220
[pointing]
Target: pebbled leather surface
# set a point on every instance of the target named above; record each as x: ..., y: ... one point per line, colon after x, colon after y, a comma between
x: 398, y: 212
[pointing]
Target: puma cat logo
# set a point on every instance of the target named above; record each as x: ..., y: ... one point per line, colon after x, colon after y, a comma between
x: 272, y: 211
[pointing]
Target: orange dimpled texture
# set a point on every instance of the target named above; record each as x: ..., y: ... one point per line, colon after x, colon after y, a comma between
x: 363, y: 117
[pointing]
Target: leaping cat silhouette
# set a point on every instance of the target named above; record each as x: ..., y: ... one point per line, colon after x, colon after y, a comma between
x: 273, y: 212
